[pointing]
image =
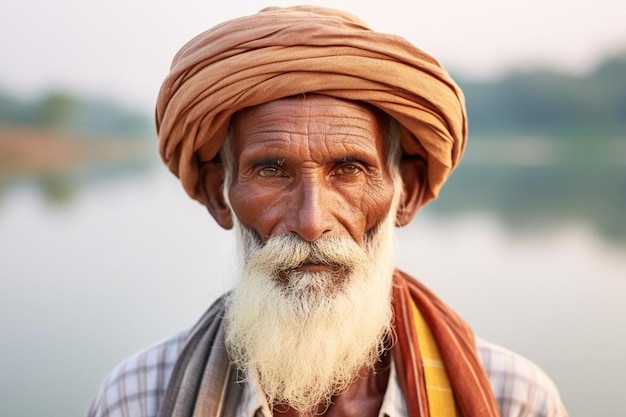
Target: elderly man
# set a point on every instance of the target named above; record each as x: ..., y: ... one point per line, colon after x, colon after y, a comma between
x: 314, y: 137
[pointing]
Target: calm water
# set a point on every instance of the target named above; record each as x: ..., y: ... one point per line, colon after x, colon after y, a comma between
x: 128, y: 263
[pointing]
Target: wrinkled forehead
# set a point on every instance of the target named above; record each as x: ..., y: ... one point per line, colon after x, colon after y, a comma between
x: 315, y: 114
x: 311, y: 109
x: 327, y: 104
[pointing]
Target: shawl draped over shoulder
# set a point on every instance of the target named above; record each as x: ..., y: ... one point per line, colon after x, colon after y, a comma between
x: 282, y: 52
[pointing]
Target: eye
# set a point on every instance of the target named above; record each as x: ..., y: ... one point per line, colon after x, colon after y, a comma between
x: 269, y: 172
x: 349, y: 169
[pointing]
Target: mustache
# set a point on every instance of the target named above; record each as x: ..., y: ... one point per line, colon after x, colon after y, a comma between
x: 283, y: 253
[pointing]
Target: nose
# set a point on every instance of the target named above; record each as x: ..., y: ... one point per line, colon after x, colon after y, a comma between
x: 311, y: 211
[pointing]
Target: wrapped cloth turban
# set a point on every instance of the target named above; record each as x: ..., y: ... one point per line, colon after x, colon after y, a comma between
x: 282, y: 52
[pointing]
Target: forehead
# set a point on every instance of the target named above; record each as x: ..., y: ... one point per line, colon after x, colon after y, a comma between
x: 314, y: 118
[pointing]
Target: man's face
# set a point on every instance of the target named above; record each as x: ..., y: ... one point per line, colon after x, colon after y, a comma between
x: 313, y: 166
x: 316, y: 208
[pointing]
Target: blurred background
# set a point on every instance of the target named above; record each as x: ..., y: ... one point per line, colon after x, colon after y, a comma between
x: 102, y: 253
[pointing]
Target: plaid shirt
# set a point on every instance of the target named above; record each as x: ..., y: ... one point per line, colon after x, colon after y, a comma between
x: 135, y: 388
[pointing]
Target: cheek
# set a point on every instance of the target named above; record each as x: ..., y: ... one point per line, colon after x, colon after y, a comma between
x: 254, y: 208
x: 377, y: 203
x: 364, y: 210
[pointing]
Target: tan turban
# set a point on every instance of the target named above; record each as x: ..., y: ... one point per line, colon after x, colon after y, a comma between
x: 284, y: 52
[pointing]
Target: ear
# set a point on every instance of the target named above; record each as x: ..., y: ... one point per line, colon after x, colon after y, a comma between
x: 413, y: 173
x: 211, y: 188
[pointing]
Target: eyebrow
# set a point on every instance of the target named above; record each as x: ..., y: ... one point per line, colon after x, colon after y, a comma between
x: 270, y: 161
x: 364, y: 159
x: 349, y: 159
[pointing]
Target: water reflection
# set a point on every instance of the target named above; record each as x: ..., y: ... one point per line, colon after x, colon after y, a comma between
x: 130, y: 262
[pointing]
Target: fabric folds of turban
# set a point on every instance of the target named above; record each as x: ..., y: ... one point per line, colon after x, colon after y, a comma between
x: 285, y: 52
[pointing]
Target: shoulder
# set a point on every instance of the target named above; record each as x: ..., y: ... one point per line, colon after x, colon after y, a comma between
x: 134, y: 388
x: 521, y: 388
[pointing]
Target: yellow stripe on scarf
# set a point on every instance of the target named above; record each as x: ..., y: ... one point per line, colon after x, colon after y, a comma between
x: 441, y: 401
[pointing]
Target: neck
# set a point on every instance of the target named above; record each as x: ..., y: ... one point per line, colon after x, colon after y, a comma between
x: 363, y: 398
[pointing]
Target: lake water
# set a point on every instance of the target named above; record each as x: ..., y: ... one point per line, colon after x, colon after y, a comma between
x: 129, y: 262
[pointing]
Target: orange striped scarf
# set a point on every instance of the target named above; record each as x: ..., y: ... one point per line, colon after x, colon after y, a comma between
x: 438, y: 366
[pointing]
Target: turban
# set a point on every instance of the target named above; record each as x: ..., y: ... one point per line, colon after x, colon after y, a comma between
x: 282, y: 52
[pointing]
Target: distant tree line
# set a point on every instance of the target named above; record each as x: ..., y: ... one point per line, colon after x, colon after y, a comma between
x: 550, y: 104
x: 64, y: 111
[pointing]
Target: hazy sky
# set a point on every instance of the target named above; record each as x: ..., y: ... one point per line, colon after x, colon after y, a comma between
x: 123, y: 48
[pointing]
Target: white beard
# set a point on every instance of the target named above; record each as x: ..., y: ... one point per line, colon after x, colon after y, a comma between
x: 309, y: 334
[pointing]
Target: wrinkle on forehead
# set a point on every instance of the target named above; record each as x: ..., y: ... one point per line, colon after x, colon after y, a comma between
x: 328, y: 119
x: 321, y: 103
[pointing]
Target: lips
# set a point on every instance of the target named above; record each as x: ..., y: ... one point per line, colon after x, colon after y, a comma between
x: 311, y: 267
x: 316, y: 267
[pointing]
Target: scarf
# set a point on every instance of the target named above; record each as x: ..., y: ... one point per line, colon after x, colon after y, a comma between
x: 203, y: 384
x: 454, y: 343
x: 283, y: 52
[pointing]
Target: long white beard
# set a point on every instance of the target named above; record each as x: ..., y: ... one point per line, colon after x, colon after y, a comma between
x: 308, y: 334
